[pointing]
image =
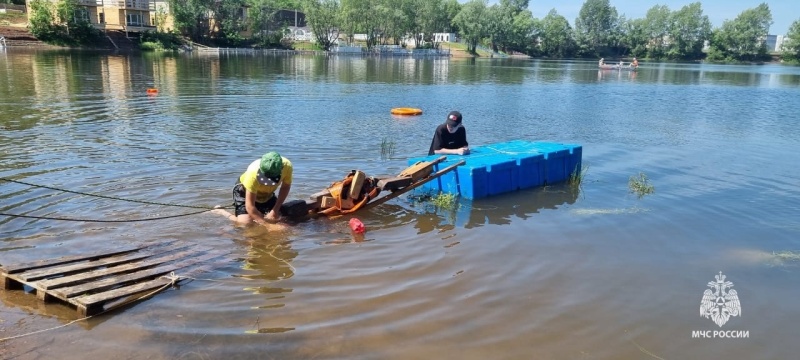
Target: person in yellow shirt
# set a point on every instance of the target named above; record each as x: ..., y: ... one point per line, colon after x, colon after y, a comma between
x: 254, y: 195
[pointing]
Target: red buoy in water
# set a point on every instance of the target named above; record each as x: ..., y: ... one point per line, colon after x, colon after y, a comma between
x: 357, y: 226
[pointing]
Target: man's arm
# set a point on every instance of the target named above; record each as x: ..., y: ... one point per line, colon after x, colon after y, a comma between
x: 283, y: 193
x: 252, y: 210
x: 462, y: 140
x: 436, y: 143
x: 459, y: 151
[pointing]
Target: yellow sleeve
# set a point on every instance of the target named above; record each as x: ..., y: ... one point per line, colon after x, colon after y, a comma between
x: 286, y: 173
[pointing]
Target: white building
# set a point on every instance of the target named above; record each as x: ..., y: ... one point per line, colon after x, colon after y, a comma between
x: 779, y: 42
x: 444, y: 37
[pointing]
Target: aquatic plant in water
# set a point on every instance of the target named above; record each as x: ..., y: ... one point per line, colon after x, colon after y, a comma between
x: 787, y: 255
x: 387, y: 149
x: 576, y: 177
x: 640, y: 185
x: 444, y: 201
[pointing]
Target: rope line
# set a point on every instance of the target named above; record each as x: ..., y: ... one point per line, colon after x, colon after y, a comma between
x: 272, y: 253
x: 174, y: 279
x: 513, y: 152
x: 107, y: 197
x: 100, y: 220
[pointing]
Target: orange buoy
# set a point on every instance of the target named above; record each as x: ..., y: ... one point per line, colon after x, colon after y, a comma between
x: 406, y: 111
x: 152, y: 91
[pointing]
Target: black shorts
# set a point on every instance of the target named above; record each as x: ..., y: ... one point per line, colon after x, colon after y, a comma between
x: 239, y: 200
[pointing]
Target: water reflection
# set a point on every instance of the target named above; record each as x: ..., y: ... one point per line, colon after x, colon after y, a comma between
x: 496, y: 210
x: 269, y: 257
x: 714, y: 139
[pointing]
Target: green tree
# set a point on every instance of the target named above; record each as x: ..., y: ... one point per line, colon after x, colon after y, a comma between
x: 451, y: 9
x: 324, y: 19
x: 266, y: 31
x: 510, y: 25
x: 556, y: 38
x: 191, y: 18
x: 524, y: 32
x: 636, y: 37
x: 657, y: 27
x: 41, y: 20
x: 62, y: 23
x: 791, y: 45
x: 743, y: 39
x: 229, y: 21
x: 689, y: 31
x: 472, y: 23
x: 498, y: 27
x: 400, y: 18
x: 595, y: 27
x: 160, y: 19
x: 433, y: 19
x: 363, y: 16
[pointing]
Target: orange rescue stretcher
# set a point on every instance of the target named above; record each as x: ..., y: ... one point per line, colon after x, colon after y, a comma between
x: 357, y: 191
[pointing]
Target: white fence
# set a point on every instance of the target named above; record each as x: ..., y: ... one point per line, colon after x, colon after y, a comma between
x: 389, y: 50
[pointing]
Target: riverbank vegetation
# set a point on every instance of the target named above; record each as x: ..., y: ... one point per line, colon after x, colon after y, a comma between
x: 56, y: 23
x: 509, y: 26
x: 160, y: 41
x: 791, y: 46
x: 506, y: 26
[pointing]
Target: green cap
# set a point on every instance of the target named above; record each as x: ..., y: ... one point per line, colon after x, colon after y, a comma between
x: 269, y: 171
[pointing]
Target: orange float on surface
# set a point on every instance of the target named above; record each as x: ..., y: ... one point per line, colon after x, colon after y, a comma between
x: 152, y: 91
x: 406, y: 111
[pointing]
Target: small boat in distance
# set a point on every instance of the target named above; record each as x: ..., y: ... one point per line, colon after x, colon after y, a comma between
x: 631, y: 66
x: 628, y: 67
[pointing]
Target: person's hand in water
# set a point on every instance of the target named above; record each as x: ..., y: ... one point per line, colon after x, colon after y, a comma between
x: 272, y: 216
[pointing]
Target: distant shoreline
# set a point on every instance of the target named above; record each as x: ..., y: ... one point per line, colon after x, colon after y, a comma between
x: 19, y: 34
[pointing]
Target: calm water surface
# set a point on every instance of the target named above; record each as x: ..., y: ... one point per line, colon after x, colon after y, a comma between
x: 540, y: 274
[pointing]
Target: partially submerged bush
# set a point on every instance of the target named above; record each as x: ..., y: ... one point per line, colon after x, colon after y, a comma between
x: 640, y: 185
x: 160, y: 41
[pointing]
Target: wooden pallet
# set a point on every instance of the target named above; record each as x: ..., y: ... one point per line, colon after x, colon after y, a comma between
x: 89, y: 282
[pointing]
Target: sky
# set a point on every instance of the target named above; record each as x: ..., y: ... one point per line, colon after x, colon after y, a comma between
x: 784, y: 12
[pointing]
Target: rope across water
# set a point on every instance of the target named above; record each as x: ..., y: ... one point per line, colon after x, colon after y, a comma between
x: 205, y: 208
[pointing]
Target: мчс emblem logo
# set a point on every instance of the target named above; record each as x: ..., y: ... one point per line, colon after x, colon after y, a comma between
x: 720, y: 302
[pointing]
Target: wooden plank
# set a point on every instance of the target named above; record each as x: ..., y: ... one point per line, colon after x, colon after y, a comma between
x: 417, y: 171
x: 313, y: 205
x: 9, y: 284
x: 95, y: 274
x: 34, y: 275
x: 97, y: 306
x: 87, y: 301
x: 15, y: 268
x: 109, y: 282
x: 421, y: 169
x: 395, y: 194
x: 395, y: 183
x: 327, y: 202
x: 356, y: 184
x: 317, y: 196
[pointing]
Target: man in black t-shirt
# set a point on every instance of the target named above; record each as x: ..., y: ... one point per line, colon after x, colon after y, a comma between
x: 450, y: 137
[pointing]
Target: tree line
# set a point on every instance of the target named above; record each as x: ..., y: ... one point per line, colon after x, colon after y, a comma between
x: 508, y: 26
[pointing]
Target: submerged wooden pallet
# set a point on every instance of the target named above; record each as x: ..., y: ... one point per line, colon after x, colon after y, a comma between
x: 91, y: 281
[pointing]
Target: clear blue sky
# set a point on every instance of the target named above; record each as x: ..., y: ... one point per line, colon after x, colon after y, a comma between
x: 784, y: 12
